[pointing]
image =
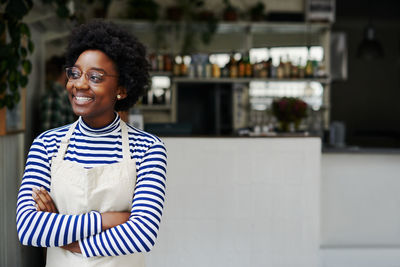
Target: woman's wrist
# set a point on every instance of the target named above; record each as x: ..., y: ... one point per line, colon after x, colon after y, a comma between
x: 112, y: 219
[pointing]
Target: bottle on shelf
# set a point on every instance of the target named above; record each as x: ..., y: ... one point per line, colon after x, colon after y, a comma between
x: 294, y: 70
x: 216, y: 71
x: 233, y: 67
x: 176, y: 68
x: 207, y: 67
x: 271, y: 70
x: 280, y: 71
x: 287, y: 68
x: 241, y: 68
x: 315, y: 66
x: 167, y: 62
x: 248, y: 67
x: 308, y: 70
x: 160, y: 62
x: 183, y: 69
x: 153, y: 61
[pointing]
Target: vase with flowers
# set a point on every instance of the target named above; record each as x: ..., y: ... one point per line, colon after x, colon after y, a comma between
x: 289, y: 110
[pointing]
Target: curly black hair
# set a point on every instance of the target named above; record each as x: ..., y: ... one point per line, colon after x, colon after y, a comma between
x: 124, y: 49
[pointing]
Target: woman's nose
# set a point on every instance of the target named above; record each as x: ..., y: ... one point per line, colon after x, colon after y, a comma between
x: 82, y: 82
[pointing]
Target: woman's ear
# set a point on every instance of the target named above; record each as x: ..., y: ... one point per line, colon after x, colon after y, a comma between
x: 121, y: 91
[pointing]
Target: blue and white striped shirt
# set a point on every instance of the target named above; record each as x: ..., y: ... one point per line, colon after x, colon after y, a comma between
x: 93, y: 147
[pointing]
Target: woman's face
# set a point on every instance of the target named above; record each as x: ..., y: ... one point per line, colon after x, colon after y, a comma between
x: 93, y: 88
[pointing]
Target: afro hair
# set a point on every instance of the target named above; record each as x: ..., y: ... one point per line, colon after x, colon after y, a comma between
x: 124, y: 49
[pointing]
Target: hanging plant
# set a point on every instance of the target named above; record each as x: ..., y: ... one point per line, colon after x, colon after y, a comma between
x: 15, y: 45
x: 230, y: 12
x: 197, y: 23
x: 257, y: 11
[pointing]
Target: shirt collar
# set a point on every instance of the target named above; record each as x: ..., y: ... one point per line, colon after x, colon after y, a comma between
x: 114, y: 126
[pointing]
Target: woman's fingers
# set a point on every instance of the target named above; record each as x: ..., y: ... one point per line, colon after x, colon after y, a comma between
x: 43, y: 200
x: 40, y: 206
x: 50, y: 201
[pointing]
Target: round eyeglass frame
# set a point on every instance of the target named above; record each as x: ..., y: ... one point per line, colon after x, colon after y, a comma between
x: 86, y: 73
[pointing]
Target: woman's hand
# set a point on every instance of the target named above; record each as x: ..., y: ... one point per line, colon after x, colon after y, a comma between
x: 43, y: 200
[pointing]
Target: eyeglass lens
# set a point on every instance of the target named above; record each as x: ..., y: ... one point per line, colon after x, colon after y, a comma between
x: 91, y: 75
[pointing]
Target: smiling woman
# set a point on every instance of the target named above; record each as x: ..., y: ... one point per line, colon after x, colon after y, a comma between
x: 94, y: 190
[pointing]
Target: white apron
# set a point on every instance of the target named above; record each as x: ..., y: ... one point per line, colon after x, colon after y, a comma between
x: 77, y: 190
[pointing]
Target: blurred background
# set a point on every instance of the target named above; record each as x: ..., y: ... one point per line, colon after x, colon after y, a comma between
x: 329, y: 69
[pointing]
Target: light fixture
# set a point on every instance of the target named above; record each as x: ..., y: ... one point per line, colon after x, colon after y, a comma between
x: 370, y: 48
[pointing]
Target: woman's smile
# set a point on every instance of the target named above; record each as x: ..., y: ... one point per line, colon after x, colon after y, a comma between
x: 82, y: 100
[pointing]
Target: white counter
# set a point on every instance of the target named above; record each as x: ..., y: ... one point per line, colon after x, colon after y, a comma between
x: 360, y: 208
x: 240, y: 202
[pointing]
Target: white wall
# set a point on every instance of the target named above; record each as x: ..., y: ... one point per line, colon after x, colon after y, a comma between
x: 240, y: 202
x: 11, y: 157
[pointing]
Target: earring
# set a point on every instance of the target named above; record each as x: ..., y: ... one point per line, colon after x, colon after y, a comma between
x: 118, y: 97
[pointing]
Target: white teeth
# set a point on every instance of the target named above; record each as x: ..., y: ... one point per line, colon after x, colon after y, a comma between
x: 82, y: 98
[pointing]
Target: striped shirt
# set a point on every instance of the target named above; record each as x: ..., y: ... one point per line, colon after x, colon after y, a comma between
x: 93, y: 147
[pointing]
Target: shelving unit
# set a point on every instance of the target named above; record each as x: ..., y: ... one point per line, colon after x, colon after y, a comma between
x: 238, y: 36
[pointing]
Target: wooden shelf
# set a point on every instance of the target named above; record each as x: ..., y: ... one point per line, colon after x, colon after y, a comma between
x: 160, y: 73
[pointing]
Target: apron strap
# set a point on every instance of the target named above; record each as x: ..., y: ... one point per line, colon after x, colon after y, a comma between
x: 127, y: 161
x: 64, y: 142
x: 125, y: 141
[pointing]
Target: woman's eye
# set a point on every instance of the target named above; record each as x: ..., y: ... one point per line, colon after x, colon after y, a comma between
x: 95, y: 77
x: 75, y: 74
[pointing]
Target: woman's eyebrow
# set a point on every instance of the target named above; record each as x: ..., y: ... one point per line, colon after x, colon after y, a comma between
x: 94, y: 68
x: 98, y: 69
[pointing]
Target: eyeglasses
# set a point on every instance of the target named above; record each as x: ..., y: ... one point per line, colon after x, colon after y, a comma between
x: 93, y: 76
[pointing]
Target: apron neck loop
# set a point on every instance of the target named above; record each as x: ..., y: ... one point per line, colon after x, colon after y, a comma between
x: 65, y: 141
x: 125, y: 141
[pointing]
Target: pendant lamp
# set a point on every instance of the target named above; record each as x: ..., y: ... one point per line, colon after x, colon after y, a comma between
x: 370, y: 48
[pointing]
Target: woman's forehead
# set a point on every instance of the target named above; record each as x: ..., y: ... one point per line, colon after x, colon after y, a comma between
x: 95, y: 59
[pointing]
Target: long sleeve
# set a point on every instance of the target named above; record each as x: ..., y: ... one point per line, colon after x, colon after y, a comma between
x: 139, y: 233
x: 43, y: 229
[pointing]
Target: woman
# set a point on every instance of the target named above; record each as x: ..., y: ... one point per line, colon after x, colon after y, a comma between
x: 95, y: 189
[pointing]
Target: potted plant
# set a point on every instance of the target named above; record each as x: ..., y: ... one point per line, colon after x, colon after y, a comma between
x: 208, y: 26
x: 257, y: 11
x: 229, y: 12
x: 289, y: 110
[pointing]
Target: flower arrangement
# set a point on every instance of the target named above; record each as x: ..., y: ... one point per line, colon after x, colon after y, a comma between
x: 289, y: 110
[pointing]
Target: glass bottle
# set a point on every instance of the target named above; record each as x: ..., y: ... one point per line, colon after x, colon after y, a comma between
x: 233, y: 67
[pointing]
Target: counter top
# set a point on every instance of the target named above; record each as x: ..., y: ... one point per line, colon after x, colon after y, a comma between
x: 360, y: 150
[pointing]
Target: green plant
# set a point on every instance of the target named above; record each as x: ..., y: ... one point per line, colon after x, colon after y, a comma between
x: 257, y: 11
x: 229, y: 12
x: 15, y: 45
x: 193, y: 23
x: 229, y: 6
